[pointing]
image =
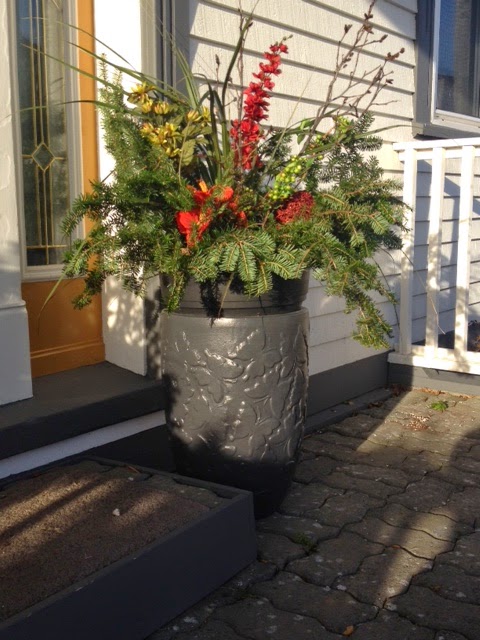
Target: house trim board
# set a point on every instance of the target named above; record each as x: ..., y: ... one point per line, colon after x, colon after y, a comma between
x: 438, y: 379
x: 15, y: 374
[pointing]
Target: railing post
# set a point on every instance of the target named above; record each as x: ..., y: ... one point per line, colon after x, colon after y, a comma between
x: 463, y: 256
x: 406, y: 283
x: 434, y: 250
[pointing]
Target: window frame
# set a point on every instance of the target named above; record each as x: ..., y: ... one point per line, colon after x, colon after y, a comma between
x: 169, y: 21
x: 430, y: 121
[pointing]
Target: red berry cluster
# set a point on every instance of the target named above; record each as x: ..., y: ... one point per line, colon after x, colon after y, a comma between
x: 297, y: 206
x: 246, y: 133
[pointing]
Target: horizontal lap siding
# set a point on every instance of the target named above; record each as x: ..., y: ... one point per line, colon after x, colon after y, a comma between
x: 316, y: 27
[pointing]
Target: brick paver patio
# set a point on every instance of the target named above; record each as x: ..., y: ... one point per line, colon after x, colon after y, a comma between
x: 378, y: 538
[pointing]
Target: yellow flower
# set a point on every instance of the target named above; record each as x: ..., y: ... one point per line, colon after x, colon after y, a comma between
x: 193, y: 116
x: 162, y: 108
x: 147, y: 105
x: 170, y: 129
x: 139, y: 93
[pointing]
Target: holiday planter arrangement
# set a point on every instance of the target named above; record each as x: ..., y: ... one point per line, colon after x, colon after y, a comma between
x: 234, y: 215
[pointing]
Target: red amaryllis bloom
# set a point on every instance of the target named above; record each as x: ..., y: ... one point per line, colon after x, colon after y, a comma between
x: 297, y: 207
x: 200, y: 196
x: 246, y: 133
x: 192, y: 224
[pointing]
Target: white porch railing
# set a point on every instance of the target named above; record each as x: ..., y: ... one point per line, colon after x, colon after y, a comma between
x: 457, y: 185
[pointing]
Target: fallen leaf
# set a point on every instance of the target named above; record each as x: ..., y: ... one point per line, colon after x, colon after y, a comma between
x: 130, y: 468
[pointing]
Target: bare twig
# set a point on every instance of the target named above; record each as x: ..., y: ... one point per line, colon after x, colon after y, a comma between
x: 374, y: 80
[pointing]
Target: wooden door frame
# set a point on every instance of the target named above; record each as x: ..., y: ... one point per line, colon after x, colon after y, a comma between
x: 62, y: 338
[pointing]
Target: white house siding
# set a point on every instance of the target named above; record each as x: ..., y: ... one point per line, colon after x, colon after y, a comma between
x: 315, y: 27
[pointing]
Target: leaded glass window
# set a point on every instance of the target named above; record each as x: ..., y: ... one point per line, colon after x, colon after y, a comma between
x: 43, y: 127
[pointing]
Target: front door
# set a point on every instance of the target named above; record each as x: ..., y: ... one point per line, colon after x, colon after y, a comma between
x: 57, y: 142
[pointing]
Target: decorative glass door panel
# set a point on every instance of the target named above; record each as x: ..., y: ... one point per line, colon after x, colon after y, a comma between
x: 43, y: 127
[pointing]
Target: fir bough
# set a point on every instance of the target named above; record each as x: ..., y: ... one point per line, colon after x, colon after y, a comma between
x: 192, y: 196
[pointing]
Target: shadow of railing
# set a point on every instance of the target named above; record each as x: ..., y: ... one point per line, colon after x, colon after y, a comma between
x: 388, y: 501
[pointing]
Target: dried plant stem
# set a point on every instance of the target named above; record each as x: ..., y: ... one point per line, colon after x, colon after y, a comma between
x: 376, y: 79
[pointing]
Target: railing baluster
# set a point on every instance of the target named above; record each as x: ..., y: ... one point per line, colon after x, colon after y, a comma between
x: 406, y: 283
x: 432, y: 356
x: 463, y: 252
x: 434, y: 250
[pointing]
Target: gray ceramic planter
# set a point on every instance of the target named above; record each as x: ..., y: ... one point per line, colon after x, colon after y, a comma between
x: 237, y: 387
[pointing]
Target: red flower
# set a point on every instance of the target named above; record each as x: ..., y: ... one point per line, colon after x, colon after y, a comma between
x: 297, y: 207
x: 242, y: 220
x: 225, y: 196
x: 190, y: 224
x: 193, y: 224
x: 246, y: 133
x: 203, y: 194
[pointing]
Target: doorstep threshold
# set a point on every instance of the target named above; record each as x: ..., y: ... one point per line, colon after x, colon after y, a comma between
x: 71, y: 403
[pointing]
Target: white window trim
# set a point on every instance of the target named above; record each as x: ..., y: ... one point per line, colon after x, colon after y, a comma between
x: 75, y: 164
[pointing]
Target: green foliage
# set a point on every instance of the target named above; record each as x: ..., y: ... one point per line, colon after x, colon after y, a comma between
x: 179, y: 202
x: 303, y: 540
x: 439, y: 405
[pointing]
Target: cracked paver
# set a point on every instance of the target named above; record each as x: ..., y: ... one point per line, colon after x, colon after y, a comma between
x: 336, y: 610
x: 390, y: 626
x: 384, y: 576
x: 449, y: 581
x: 425, y: 494
x: 347, y: 508
x: 277, y: 549
x: 256, y: 618
x: 416, y: 542
x: 297, y: 528
x: 424, y: 607
x: 302, y: 499
x: 439, y: 526
x: 334, y: 558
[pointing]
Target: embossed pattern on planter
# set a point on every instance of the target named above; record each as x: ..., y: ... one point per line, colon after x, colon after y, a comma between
x: 237, y: 390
